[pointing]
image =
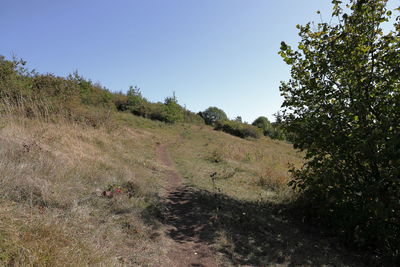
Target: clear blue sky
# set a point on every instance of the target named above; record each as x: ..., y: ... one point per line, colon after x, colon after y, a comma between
x: 210, y: 52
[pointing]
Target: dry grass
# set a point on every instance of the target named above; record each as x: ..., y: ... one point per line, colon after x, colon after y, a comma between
x: 53, y: 173
x: 51, y: 211
x: 246, y: 169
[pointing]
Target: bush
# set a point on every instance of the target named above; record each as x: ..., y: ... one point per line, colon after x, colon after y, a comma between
x: 272, y: 130
x: 191, y: 117
x: 212, y: 115
x: 120, y: 101
x: 264, y: 124
x: 174, y: 112
x: 342, y: 104
x: 238, y: 129
x: 46, y: 96
x: 92, y: 94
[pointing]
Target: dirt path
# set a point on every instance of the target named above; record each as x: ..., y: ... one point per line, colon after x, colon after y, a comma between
x: 274, y: 239
x: 188, y: 230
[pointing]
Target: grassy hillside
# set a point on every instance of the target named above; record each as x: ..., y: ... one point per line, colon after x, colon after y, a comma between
x: 52, y: 176
x: 81, y: 182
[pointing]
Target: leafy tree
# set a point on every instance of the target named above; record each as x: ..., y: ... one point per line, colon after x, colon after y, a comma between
x: 238, y: 119
x: 273, y: 130
x: 91, y: 94
x: 174, y: 112
x: 212, y: 115
x: 343, y: 105
x: 262, y: 123
x: 135, y: 100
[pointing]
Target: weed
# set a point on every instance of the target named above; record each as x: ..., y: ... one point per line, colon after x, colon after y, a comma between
x: 216, y: 157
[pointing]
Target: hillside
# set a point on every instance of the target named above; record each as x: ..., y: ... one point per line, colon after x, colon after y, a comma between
x: 73, y: 195
x: 90, y: 177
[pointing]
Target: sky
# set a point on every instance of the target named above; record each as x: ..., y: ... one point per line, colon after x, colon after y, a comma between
x: 220, y: 53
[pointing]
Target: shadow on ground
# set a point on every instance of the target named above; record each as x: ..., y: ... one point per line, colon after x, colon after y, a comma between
x: 260, y: 234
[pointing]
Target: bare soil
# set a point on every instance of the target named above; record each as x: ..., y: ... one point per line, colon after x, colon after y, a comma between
x: 188, y: 230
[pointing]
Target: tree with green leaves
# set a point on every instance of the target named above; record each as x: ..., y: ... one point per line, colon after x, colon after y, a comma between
x: 213, y: 114
x: 264, y: 124
x: 135, y: 100
x: 238, y: 119
x: 174, y: 112
x: 342, y: 104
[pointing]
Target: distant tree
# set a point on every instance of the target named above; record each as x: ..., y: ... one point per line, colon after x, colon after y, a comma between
x: 343, y: 104
x: 174, y: 112
x: 261, y: 122
x: 278, y: 117
x: 269, y: 129
x: 238, y: 119
x: 135, y: 100
x: 212, y: 115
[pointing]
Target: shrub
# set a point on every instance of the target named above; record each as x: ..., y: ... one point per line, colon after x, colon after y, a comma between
x: 135, y: 101
x: 342, y: 103
x: 45, y: 96
x: 264, y: 124
x: 174, y: 112
x: 120, y: 101
x: 238, y: 129
x: 92, y: 94
x: 213, y: 114
x: 272, y: 130
x: 191, y: 117
x: 216, y: 156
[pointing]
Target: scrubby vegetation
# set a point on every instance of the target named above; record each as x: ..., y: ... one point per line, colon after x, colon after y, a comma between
x: 80, y: 183
x: 238, y: 129
x: 273, y: 130
x: 213, y: 114
x: 78, y: 99
x: 343, y: 103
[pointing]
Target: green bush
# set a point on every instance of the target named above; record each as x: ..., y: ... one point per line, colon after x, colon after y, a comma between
x: 272, y: 130
x: 213, y: 114
x: 92, y: 94
x: 120, y: 101
x: 238, y: 129
x: 174, y: 112
x: 191, y: 117
x: 264, y: 124
x: 342, y: 104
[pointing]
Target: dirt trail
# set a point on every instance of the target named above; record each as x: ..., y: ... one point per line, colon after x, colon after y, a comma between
x: 188, y: 231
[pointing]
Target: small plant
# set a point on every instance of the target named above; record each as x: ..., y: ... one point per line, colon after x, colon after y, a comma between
x: 247, y: 157
x: 216, y: 190
x: 271, y: 180
x: 228, y: 173
x: 127, y: 188
x: 264, y: 179
x: 216, y: 157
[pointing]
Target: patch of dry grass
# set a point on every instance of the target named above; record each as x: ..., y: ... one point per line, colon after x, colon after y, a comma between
x: 52, y: 210
x: 245, y: 169
x: 53, y: 175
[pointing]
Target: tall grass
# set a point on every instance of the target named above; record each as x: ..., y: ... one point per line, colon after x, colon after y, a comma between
x: 51, y: 211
